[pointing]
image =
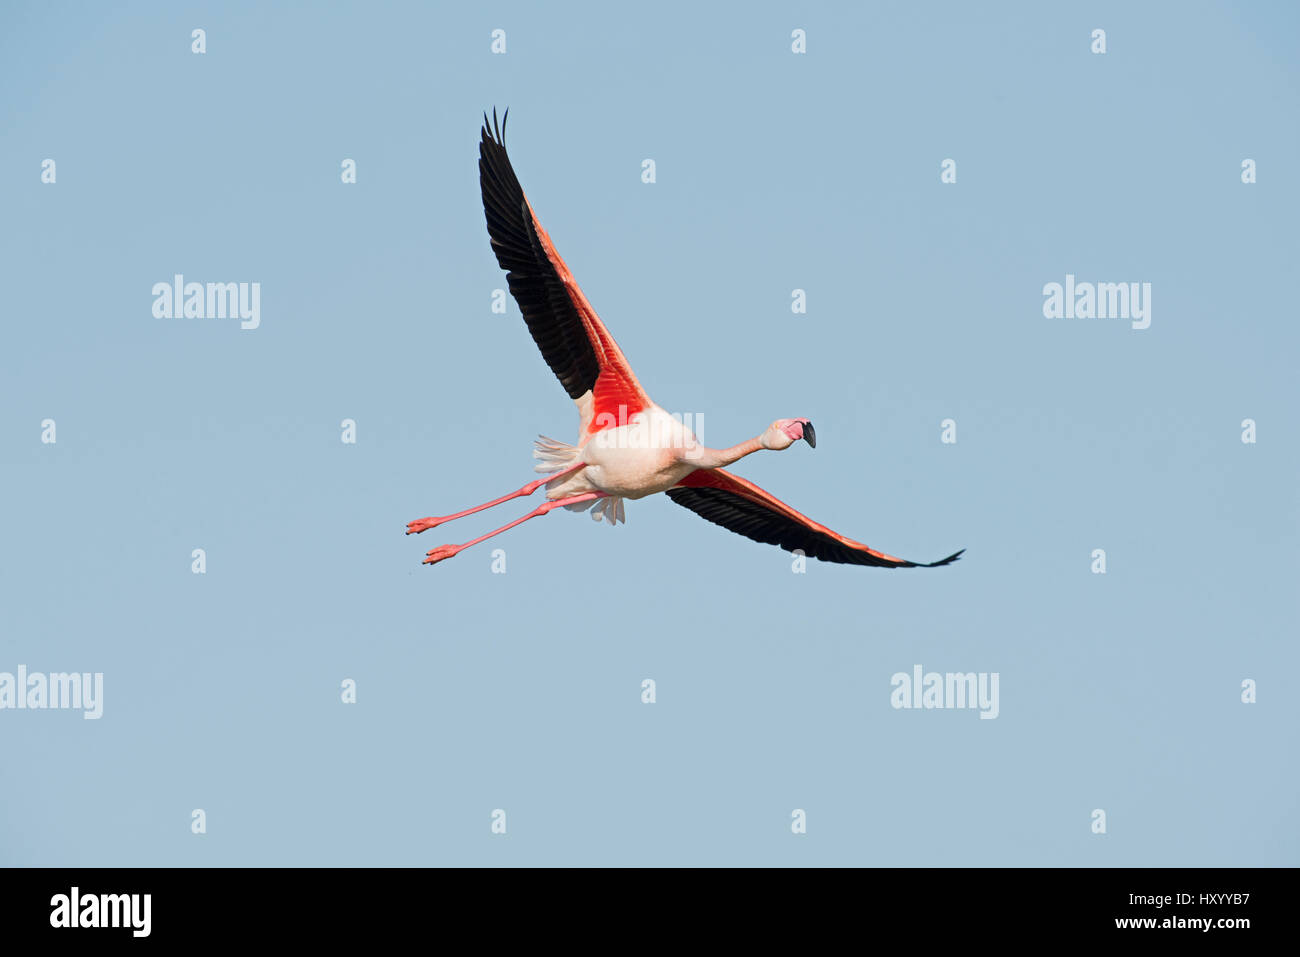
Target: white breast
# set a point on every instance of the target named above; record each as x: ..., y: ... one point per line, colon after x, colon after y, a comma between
x: 639, y: 458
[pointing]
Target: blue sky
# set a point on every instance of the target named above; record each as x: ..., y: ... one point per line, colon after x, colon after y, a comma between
x: 522, y: 691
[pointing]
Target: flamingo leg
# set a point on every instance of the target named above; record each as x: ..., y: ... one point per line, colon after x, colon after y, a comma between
x: 424, y: 524
x: 443, y: 552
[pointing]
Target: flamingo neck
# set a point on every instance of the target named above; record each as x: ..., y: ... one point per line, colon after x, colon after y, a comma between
x: 718, y: 458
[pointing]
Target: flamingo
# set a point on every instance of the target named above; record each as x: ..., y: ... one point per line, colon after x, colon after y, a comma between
x: 628, y: 447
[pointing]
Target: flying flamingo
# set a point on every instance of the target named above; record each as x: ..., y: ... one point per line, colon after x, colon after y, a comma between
x: 628, y: 447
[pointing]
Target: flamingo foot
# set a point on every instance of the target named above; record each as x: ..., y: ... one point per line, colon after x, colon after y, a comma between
x: 422, y: 525
x: 441, y: 553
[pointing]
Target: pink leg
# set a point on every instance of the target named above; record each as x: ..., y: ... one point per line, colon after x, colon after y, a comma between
x: 448, y: 551
x: 424, y: 524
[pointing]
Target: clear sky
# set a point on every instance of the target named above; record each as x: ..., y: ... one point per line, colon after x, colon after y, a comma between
x: 775, y: 171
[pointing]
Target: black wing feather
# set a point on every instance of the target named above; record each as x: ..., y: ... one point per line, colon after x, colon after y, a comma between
x: 548, y: 311
x: 738, y: 514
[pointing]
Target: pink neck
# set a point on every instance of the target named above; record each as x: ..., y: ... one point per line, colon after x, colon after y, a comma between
x: 718, y: 458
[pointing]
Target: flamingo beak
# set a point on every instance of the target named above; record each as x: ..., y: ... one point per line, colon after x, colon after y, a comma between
x: 810, y: 434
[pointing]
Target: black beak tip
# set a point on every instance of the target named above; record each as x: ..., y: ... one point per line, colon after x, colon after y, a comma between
x: 810, y: 434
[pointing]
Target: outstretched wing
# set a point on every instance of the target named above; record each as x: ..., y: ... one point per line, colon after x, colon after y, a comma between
x: 741, y: 506
x: 573, y: 340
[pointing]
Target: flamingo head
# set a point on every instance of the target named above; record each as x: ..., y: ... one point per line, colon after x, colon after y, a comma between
x: 784, y: 433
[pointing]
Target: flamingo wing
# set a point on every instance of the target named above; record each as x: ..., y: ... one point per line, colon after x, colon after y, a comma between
x: 572, y: 339
x: 741, y: 506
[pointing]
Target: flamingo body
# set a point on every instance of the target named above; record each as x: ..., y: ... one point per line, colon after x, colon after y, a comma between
x: 645, y: 456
